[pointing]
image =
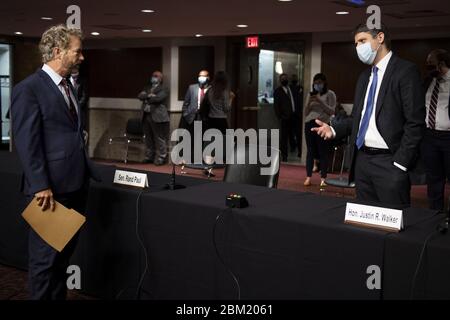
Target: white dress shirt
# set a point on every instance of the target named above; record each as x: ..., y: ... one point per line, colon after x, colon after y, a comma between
x: 442, y: 120
x: 199, y: 96
x: 56, y: 78
x: 373, y: 137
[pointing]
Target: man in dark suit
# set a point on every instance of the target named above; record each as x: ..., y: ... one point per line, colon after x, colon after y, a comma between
x: 48, y: 137
x: 191, y: 105
x: 156, y: 119
x: 284, y: 105
x: 387, y: 122
x: 295, y: 135
x: 79, y: 84
x: 436, y: 143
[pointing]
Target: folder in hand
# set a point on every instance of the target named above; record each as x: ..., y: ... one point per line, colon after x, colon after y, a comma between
x: 54, y: 227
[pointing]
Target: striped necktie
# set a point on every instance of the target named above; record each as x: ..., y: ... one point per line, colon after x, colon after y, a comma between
x: 433, y: 105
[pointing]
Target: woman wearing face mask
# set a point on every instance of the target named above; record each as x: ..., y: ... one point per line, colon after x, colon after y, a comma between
x: 216, y: 106
x: 320, y: 105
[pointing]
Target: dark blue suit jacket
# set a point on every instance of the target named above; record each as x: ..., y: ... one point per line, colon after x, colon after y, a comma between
x: 49, y: 142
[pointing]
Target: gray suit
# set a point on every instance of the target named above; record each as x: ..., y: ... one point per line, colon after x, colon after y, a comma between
x: 155, y: 105
x: 155, y: 120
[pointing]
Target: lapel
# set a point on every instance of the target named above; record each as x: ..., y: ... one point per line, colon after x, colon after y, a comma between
x: 52, y: 86
x: 362, y: 95
x: 385, y: 84
x: 195, y: 93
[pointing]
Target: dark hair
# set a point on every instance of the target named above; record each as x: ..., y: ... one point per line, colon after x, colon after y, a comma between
x: 374, y: 32
x: 321, y: 76
x: 219, y: 84
x: 443, y: 56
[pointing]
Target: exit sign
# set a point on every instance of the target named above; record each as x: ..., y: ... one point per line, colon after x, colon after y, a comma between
x: 252, y: 42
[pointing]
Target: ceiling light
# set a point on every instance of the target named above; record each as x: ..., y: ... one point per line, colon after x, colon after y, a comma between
x: 342, y: 12
x: 18, y: 33
x: 146, y: 30
x: 95, y: 33
x: 242, y: 26
x: 198, y: 35
x: 284, y: 0
x: 46, y: 18
x: 147, y: 11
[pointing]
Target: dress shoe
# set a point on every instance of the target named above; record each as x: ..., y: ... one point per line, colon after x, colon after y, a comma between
x: 148, y: 160
x: 160, y: 161
x: 206, y: 172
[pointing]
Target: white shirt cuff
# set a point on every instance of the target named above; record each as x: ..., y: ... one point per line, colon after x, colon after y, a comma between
x: 333, y: 131
x: 400, y: 166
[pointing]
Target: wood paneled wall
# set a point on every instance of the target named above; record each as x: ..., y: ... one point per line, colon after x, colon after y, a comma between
x: 120, y: 73
x: 191, y: 61
x: 341, y: 66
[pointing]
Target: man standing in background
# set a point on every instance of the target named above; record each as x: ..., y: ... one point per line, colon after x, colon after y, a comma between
x: 295, y: 135
x: 191, y: 106
x: 79, y: 84
x: 436, y: 142
x: 156, y: 119
x: 284, y: 106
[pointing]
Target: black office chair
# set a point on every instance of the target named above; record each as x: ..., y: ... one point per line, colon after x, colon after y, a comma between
x: 134, y: 135
x: 341, y: 181
x: 251, y: 173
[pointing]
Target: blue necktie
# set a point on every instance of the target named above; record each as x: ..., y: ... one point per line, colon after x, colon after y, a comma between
x: 369, y: 108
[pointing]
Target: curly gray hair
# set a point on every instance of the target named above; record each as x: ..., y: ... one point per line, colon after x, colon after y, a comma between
x: 56, y: 36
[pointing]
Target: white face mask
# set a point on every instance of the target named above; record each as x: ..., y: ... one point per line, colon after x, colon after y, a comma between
x: 365, y: 53
x: 202, y: 80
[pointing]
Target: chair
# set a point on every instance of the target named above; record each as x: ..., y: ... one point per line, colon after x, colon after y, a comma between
x: 341, y: 181
x: 251, y: 173
x: 134, y: 134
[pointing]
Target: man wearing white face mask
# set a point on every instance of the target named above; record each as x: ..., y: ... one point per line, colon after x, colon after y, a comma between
x: 387, y: 122
x: 191, y: 105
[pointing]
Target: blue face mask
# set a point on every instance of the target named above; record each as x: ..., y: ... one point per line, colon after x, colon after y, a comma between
x: 318, y: 87
x: 365, y: 53
x: 155, y: 80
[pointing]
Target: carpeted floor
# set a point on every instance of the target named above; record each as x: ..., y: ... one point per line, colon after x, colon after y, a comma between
x: 13, y: 282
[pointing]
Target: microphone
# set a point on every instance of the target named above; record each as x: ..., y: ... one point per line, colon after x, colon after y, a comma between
x: 172, y: 184
x: 443, y: 226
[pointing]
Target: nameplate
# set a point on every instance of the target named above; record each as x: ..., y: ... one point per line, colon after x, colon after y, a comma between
x: 133, y: 179
x: 374, y: 217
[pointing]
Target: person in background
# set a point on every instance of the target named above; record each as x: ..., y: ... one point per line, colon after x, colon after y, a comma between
x: 436, y: 142
x: 80, y: 87
x: 191, y: 106
x: 321, y: 105
x: 284, y: 107
x: 295, y: 135
x: 216, y: 106
x: 155, y: 119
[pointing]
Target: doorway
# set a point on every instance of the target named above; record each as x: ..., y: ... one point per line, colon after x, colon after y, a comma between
x: 272, y: 64
x: 5, y: 94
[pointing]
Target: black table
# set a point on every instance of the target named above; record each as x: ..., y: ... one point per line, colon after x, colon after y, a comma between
x: 285, y: 245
